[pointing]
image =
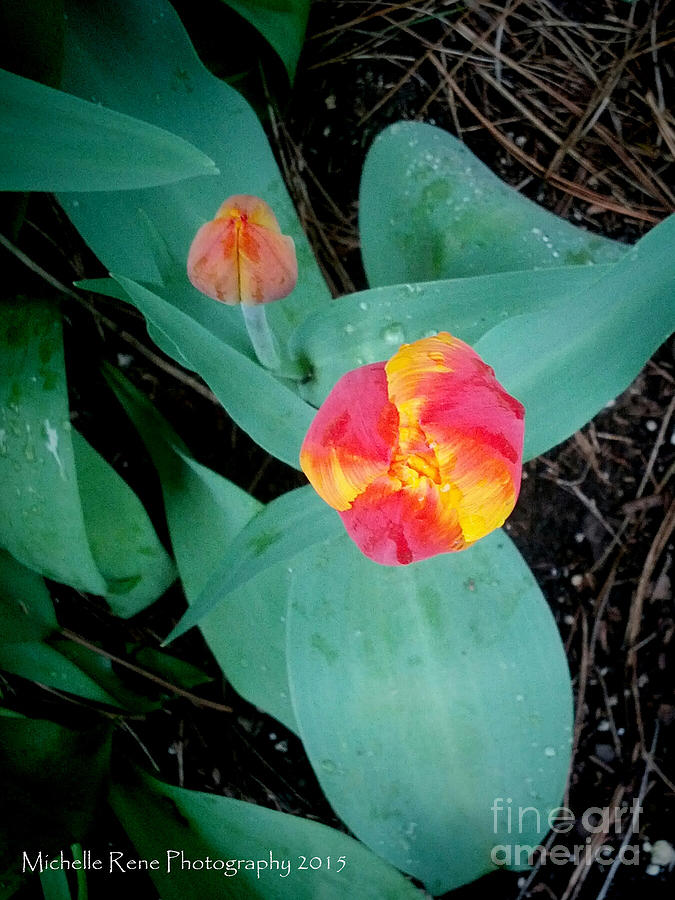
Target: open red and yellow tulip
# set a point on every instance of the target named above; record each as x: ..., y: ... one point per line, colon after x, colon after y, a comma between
x: 420, y: 455
x: 241, y: 256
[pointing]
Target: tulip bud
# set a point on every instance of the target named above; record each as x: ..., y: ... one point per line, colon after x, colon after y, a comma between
x: 241, y: 256
x: 420, y: 455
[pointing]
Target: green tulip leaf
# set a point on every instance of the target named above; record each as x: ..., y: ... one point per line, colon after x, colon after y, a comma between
x: 281, y: 22
x: 205, y: 513
x: 124, y: 544
x: 420, y: 702
x: 28, y: 620
x: 370, y: 326
x: 54, y: 884
x: 53, y: 781
x: 53, y: 141
x: 64, y: 512
x: 430, y: 210
x: 274, y: 416
x: 566, y: 363
x: 120, y: 56
x: 176, y: 671
x: 286, y: 530
x: 157, y: 816
x: 31, y: 646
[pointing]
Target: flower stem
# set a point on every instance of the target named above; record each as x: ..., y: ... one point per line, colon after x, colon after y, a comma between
x: 261, y: 336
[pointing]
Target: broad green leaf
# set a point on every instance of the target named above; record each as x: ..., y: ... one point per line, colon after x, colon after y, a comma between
x: 287, y: 529
x: 52, y: 783
x: 176, y: 671
x: 422, y: 696
x: 64, y: 512
x: 100, y: 670
x: 429, y: 209
x: 271, y: 413
x: 124, y: 544
x: 31, y: 647
x: 281, y: 22
x: 370, y: 326
x: 120, y: 56
x: 157, y: 816
x: 52, y: 141
x: 54, y: 883
x: 41, y: 520
x: 28, y: 611
x: 564, y: 364
x: 205, y: 513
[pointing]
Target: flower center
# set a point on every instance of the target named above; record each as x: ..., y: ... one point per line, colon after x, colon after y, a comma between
x: 415, y: 457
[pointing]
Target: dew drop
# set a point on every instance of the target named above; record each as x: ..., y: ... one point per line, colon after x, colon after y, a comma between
x: 549, y: 751
x: 328, y: 766
x: 349, y: 328
x: 393, y: 333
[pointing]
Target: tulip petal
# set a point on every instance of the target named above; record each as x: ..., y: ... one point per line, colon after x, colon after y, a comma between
x: 212, y: 261
x: 351, y: 441
x: 247, y: 206
x: 432, y: 466
x: 268, y: 269
x: 482, y: 485
x: 474, y: 426
x: 241, y: 256
x: 396, y: 524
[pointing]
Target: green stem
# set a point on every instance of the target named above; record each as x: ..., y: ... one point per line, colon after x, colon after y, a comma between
x: 261, y: 336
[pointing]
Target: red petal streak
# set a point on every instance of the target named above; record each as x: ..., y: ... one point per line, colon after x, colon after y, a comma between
x: 247, y: 206
x: 350, y: 443
x: 396, y: 525
x: 212, y: 261
x: 268, y: 269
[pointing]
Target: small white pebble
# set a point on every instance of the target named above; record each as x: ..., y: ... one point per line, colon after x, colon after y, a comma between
x: 651, y: 425
x: 568, y: 619
x: 652, y: 869
x: 579, y: 537
x: 577, y: 580
x: 603, y: 726
x: 663, y: 854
